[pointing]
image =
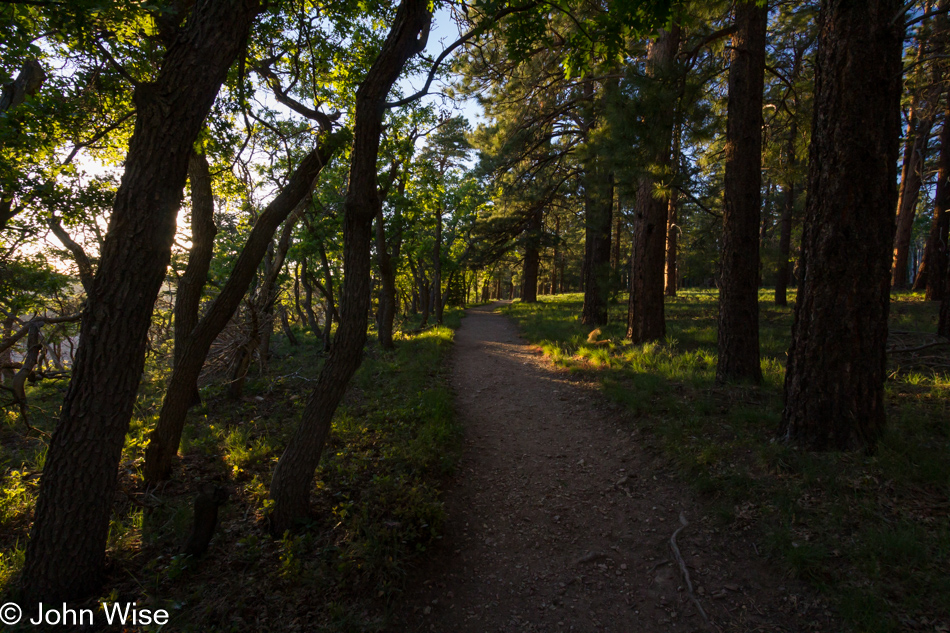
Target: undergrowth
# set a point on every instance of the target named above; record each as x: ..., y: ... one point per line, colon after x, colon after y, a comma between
x: 376, y: 500
x: 870, y: 532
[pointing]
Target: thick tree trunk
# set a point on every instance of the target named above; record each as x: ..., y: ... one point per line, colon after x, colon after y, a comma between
x: 834, y: 383
x: 532, y: 257
x: 293, y: 477
x: 66, y: 553
x: 933, y: 269
x: 598, y: 221
x: 165, y: 438
x: 645, y: 318
x: 739, y: 278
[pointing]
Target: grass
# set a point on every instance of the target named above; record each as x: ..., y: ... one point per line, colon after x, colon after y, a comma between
x: 871, y: 533
x: 377, y: 499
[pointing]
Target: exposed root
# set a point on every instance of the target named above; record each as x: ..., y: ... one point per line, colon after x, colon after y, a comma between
x: 682, y: 564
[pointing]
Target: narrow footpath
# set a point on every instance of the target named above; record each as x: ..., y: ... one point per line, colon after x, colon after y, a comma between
x: 559, y: 519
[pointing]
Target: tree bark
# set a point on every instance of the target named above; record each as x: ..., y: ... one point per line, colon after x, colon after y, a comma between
x: 598, y: 221
x: 672, y: 228
x: 532, y: 257
x: 388, y: 257
x: 293, y: 477
x: 437, y: 266
x: 192, y: 282
x: 834, y: 383
x: 285, y: 326
x: 645, y: 318
x: 915, y: 150
x: 739, y: 279
x: 65, y: 557
x: 785, y: 234
x: 923, y: 110
x: 166, y: 437
x: 933, y: 269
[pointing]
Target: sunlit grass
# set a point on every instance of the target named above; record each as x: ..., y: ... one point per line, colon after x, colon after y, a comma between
x: 871, y: 532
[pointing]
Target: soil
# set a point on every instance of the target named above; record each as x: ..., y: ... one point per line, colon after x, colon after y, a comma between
x: 560, y: 517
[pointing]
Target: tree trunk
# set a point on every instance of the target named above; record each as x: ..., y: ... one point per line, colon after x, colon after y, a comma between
x: 192, y: 282
x: 645, y: 318
x: 65, y: 557
x: 293, y: 477
x: 923, y: 110
x: 933, y: 269
x: 532, y: 257
x: 598, y: 209
x: 739, y: 280
x: 166, y: 437
x: 437, y: 265
x: 387, y: 274
x: 785, y: 235
x: 672, y: 228
x: 915, y: 150
x: 285, y: 326
x: 834, y: 383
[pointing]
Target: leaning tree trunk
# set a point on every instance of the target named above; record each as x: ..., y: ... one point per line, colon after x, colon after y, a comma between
x: 933, y: 269
x: 739, y: 280
x: 923, y: 110
x: 915, y: 151
x: 645, y: 318
x: 532, y: 257
x: 65, y: 557
x: 166, y: 437
x: 192, y: 282
x: 834, y: 383
x: 293, y: 477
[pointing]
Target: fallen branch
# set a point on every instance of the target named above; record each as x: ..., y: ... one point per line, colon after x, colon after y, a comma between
x: 900, y: 350
x: 682, y: 564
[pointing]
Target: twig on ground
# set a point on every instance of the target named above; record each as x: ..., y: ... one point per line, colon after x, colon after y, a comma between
x: 682, y: 564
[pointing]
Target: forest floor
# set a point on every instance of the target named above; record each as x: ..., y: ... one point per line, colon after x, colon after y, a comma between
x: 561, y: 515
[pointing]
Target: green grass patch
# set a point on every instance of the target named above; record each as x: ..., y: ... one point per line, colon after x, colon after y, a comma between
x: 377, y: 497
x: 869, y: 532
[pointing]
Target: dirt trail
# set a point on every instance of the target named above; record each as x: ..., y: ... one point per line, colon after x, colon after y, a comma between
x: 560, y: 520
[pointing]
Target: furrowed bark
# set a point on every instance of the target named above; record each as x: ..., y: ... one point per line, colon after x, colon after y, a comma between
x: 65, y: 557
x: 645, y: 317
x: 165, y: 438
x: 834, y: 383
x: 293, y: 477
x: 739, y: 280
x: 532, y: 257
